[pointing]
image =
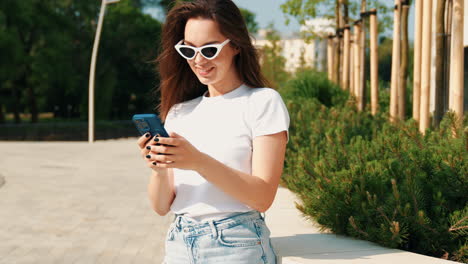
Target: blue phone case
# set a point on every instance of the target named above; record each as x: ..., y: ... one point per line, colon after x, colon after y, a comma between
x: 149, y: 123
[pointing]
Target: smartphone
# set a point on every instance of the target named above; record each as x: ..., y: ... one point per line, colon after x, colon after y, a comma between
x: 149, y: 123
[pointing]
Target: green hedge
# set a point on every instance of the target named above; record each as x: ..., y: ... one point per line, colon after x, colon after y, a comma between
x: 360, y: 176
x: 66, y: 131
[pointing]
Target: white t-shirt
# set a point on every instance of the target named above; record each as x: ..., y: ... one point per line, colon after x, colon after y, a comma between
x: 222, y: 127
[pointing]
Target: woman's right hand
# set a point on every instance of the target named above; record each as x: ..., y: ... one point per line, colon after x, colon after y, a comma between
x: 143, y: 142
x: 160, y: 189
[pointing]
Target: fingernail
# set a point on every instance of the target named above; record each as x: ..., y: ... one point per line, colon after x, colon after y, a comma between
x: 147, y: 135
x: 148, y: 156
x: 156, y: 139
x: 148, y: 147
x: 154, y: 163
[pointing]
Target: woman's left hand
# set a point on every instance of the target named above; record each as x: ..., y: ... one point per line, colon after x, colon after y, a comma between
x: 179, y: 152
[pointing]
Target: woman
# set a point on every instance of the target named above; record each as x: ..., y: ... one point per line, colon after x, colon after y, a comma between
x: 221, y: 166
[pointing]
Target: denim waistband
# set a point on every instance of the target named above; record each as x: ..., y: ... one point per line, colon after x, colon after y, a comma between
x: 191, y: 228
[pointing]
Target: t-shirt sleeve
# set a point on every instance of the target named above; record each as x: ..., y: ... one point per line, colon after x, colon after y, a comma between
x: 169, y: 122
x: 270, y: 115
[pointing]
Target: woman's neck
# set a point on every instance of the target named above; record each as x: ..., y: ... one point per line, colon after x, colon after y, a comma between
x: 223, y: 87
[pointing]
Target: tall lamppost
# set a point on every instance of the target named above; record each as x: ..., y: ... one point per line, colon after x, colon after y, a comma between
x: 93, y: 68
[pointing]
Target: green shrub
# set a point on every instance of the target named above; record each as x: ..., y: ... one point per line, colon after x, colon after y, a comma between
x: 311, y: 84
x: 358, y: 175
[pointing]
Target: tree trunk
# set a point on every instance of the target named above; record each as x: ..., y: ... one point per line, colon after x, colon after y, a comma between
x: 395, y: 63
x: 33, y: 104
x: 16, y: 101
x: 357, y: 61
x: 439, y: 62
x: 32, y: 101
x: 346, y: 55
x: 425, y: 67
x: 457, y: 60
x: 447, y: 42
x: 323, y: 44
x: 417, y: 59
x: 403, y: 63
x: 2, y: 114
x: 374, y: 61
x: 337, y: 46
x: 362, y: 88
x: 346, y: 12
x: 351, y: 62
x: 330, y: 57
x: 341, y: 45
x: 350, y: 53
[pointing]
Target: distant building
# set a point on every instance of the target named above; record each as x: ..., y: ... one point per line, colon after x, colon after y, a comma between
x: 296, y: 51
x: 313, y: 54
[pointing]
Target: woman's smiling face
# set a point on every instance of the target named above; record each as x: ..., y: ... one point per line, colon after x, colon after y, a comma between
x: 215, y: 72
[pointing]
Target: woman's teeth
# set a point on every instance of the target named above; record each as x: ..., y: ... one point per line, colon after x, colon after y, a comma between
x: 204, y: 71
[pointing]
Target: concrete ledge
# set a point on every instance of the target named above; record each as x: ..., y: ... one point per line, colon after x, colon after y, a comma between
x: 297, y: 241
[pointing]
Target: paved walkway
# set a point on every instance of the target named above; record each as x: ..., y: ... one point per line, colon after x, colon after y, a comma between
x: 77, y: 203
x: 72, y: 202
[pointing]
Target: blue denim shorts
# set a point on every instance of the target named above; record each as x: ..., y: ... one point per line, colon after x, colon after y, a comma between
x: 241, y: 239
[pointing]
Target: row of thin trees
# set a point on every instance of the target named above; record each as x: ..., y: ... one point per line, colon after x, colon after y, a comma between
x: 347, y: 59
x: 347, y: 55
x: 448, y: 77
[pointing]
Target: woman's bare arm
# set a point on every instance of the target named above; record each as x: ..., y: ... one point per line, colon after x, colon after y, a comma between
x: 257, y: 190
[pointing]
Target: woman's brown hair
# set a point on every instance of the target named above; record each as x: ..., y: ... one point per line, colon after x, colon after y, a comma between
x: 178, y: 82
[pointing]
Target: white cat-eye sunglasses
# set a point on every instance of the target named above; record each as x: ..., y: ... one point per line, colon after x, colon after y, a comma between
x: 209, y: 51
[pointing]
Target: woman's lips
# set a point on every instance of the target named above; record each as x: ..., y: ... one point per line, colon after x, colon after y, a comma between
x: 204, y: 72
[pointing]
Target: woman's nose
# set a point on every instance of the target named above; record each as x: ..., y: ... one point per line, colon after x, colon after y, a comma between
x: 199, y: 58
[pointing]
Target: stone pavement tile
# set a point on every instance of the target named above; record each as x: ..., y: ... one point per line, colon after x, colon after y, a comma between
x: 105, y: 256
x: 130, y: 250
x: 152, y: 251
x: 55, y: 255
x: 7, y: 249
x: 18, y: 254
x: 93, y: 243
x: 146, y: 251
x: 35, y: 255
x: 105, y: 249
x: 72, y: 254
x: 94, y: 248
x: 112, y: 249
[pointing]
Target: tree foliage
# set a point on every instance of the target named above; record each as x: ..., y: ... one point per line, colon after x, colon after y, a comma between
x: 249, y: 18
x: 46, y: 50
x: 46, y: 53
x: 272, y: 60
x: 303, y: 10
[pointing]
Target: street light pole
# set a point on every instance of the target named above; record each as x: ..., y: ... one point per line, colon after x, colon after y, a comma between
x: 93, y: 69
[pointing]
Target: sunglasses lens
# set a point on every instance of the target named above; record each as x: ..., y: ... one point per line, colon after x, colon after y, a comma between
x: 187, y: 52
x: 209, y: 52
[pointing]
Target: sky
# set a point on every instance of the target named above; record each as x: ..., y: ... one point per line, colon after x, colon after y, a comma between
x: 267, y: 11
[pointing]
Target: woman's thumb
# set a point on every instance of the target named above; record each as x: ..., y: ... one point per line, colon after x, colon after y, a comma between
x: 174, y: 135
